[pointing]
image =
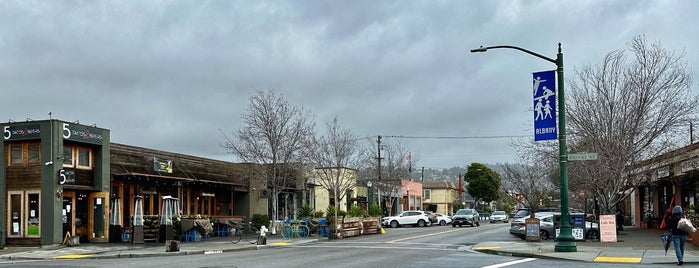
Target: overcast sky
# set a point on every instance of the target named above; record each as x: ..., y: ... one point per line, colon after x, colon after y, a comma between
x: 170, y: 75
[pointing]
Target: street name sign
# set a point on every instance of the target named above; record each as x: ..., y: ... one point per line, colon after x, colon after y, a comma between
x: 582, y: 156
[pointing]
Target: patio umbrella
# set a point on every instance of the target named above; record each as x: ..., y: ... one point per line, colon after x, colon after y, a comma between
x: 666, y: 238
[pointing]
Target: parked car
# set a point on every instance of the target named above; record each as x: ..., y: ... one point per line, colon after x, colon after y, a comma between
x: 443, y: 219
x: 410, y: 217
x: 525, y: 212
x: 465, y: 216
x: 499, y: 216
x: 432, y: 216
x: 546, y: 229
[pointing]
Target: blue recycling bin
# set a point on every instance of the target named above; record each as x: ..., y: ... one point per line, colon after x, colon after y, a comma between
x: 323, y: 230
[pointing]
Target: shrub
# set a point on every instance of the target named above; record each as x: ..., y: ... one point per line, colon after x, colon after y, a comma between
x: 331, y: 213
x: 374, y: 210
x: 356, y: 211
x: 305, y: 211
x: 318, y: 214
x: 259, y: 220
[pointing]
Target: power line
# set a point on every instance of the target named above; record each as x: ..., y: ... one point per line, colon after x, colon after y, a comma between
x: 454, y: 137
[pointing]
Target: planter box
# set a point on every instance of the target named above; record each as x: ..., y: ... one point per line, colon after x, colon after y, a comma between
x: 351, y: 226
x: 370, y: 225
x: 694, y: 238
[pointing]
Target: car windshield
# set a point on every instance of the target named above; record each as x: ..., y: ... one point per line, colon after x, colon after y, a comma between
x: 522, y: 214
x: 499, y: 213
x: 464, y: 212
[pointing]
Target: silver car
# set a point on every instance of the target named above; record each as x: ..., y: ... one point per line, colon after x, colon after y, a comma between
x: 546, y: 230
x: 499, y: 216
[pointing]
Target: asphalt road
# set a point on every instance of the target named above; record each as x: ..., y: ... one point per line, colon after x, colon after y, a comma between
x: 436, y: 246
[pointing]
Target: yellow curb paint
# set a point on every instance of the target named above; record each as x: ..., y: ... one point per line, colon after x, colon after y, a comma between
x: 281, y: 244
x: 73, y: 256
x: 487, y: 247
x: 618, y: 259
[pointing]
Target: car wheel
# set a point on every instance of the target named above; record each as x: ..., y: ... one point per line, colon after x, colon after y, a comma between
x: 394, y: 224
x: 442, y: 222
x: 453, y: 225
x: 544, y: 235
x: 478, y: 223
x: 593, y: 235
x: 492, y: 222
x: 420, y: 223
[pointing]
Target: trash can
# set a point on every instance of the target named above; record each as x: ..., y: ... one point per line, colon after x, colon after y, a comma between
x: 323, y: 230
x: 577, y: 224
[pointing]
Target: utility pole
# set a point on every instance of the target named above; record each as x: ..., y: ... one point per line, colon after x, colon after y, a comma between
x: 378, y: 184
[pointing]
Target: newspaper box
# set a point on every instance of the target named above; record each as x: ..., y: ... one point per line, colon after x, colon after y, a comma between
x: 577, y: 224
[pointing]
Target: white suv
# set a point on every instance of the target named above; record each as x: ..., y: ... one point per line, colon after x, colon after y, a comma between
x: 410, y: 217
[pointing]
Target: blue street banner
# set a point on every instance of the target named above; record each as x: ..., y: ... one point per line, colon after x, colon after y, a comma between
x: 545, y: 106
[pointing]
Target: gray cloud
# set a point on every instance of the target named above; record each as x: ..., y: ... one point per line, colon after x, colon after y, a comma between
x: 169, y: 75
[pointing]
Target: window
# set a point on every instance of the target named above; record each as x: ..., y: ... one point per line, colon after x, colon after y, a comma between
x: 426, y: 194
x: 24, y: 153
x: 84, y: 157
x: 16, y: 151
x: 79, y: 157
x: 34, y: 153
x: 68, y: 156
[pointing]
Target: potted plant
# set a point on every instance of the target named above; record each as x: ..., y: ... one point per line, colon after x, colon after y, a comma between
x: 693, y: 216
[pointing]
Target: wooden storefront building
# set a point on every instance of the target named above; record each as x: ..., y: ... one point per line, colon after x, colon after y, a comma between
x: 61, y: 178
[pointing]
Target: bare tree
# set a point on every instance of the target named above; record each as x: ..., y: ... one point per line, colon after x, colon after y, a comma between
x: 627, y: 110
x: 332, y: 154
x: 273, y: 135
x: 531, y: 177
x: 394, y: 168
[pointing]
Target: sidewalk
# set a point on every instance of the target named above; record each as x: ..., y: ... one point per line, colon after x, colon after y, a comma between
x: 125, y: 250
x: 634, y: 245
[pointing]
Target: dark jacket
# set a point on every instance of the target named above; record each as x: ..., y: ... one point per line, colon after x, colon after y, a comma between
x: 673, y: 220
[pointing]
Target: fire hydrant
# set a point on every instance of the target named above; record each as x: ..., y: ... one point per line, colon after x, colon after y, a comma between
x: 262, y: 238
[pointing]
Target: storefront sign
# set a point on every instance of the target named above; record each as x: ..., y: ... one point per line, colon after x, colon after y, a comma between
x: 66, y: 176
x: 82, y: 133
x: 532, y: 229
x: 21, y: 132
x: 663, y: 172
x: 607, y: 228
x: 160, y: 165
x: 689, y: 165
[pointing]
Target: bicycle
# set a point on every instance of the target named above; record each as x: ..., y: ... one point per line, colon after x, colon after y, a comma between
x: 243, y: 230
x: 295, y: 228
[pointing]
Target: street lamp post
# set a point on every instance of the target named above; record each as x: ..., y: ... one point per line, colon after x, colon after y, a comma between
x: 371, y: 200
x: 565, y: 239
x: 408, y: 189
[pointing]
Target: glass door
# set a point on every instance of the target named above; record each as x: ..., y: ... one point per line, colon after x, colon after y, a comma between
x: 67, y: 212
x: 97, y: 216
x: 23, y: 213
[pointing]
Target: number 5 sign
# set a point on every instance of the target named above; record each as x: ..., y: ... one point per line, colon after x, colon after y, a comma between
x: 62, y: 176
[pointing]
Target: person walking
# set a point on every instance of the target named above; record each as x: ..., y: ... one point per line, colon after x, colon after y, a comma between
x: 679, y: 237
x: 619, y: 220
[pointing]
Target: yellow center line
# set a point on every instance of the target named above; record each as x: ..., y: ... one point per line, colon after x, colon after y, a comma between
x: 425, y: 235
x: 487, y: 247
x: 618, y: 259
x: 73, y: 256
